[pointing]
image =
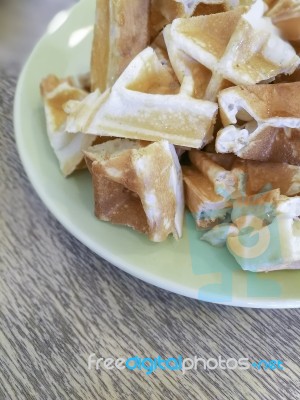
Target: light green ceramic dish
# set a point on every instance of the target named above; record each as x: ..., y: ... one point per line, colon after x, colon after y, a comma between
x: 189, y: 266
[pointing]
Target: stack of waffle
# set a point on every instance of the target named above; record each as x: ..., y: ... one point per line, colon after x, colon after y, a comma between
x: 218, y: 80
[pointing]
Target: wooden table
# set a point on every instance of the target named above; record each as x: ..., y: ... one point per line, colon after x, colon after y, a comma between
x: 60, y: 303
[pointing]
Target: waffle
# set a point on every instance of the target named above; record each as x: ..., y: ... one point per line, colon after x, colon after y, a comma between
x: 218, y: 171
x: 208, y: 208
x: 262, y: 232
x: 276, y: 226
x: 138, y: 185
x: 294, y: 77
x: 285, y: 14
x: 164, y: 12
x: 185, y: 66
x: 162, y: 101
x: 146, y: 103
x: 121, y: 32
x: 265, y: 175
x: 234, y: 178
x: 67, y: 147
x: 255, y: 211
x: 262, y: 122
x: 214, y: 181
x: 237, y: 47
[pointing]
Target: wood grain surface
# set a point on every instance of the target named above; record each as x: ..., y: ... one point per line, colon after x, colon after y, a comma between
x: 59, y: 303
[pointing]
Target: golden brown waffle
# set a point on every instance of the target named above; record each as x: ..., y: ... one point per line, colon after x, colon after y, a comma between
x: 121, y: 32
x: 273, y: 220
x: 262, y: 122
x: 164, y: 12
x: 67, y: 147
x: 214, y: 181
x: 138, y: 185
x: 207, y: 207
x: 285, y: 15
x: 235, y: 47
x: 146, y: 103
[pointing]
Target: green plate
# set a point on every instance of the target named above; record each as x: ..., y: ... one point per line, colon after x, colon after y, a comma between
x: 188, y: 267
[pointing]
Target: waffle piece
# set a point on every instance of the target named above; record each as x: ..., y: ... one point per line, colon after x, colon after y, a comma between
x: 164, y: 12
x: 121, y: 32
x: 294, y: 77
x: 261, y: 176
x: 247, y: 212
x: 185, y: 66
x: 67, y: 147
x: 270, y: 3
x: 285, y: 14
x: 273, y: 221
x: 214, y: 181
x: 160, y: 49
x: 266, y: 122
x: 138, y: 185
x: 218, y: 235
x: 208, y: 208
x: 247, y: 177
x: 227, y: 182
x: 263, y: 234
x: 146, y: 103
x: 256, y: 211
x: 234, y: 178
x: 235, y: 47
